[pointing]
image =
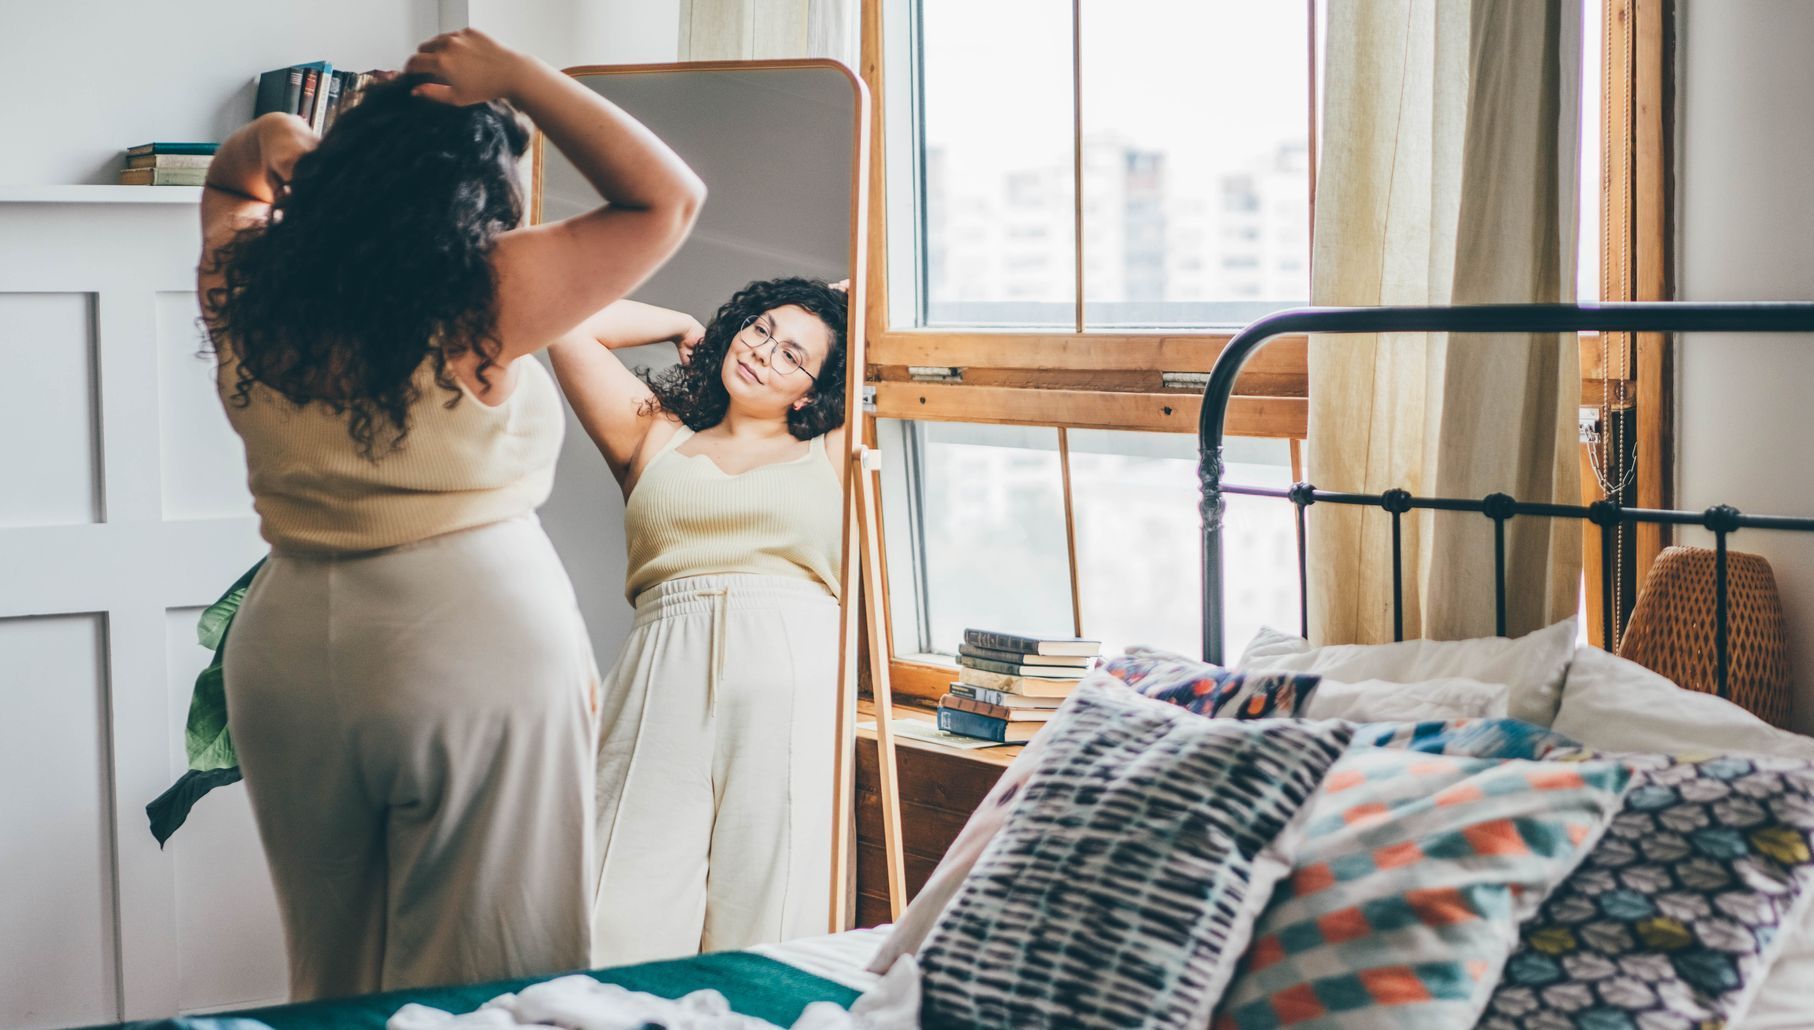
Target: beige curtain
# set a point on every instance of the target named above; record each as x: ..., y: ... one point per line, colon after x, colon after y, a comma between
x: 745, y: 30
x: 1448, y: 176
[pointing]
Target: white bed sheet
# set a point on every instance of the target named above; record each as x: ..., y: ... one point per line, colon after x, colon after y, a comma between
x: 838, y: 957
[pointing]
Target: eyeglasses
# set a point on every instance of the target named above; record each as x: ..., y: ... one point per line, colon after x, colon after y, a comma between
x: 787, y: 359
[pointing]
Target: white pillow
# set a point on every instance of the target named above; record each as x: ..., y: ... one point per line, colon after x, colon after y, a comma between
x: 1617, y: 705
x: 1786, y: 997
x: 1531, y: 666
x: 1383, y: 701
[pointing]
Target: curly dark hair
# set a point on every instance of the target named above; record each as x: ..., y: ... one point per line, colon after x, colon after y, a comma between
x: 694, y: 393
x: 376, y: 259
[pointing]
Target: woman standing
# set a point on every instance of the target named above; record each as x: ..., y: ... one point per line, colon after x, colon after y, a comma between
x: 716, y: 761
x: 410, y: 689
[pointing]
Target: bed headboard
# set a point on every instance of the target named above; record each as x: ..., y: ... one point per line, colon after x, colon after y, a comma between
x: 1608, y: 515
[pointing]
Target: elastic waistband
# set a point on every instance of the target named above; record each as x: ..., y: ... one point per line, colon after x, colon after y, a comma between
x: 695, y: 594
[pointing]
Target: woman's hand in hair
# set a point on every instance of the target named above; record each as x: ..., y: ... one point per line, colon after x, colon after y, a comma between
x: 692, y: 336
x: 468, y: 67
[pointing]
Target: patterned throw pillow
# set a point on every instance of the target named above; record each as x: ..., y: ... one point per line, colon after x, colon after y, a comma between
x: 1124, y: 883
x: 1675, y: 916
x: 1466, y: 738
x: 1210, y: 689
x: 1412, y: 877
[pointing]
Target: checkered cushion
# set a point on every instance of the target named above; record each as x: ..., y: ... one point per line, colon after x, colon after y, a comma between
x: 1409, y: 886
x: 1123, y: 886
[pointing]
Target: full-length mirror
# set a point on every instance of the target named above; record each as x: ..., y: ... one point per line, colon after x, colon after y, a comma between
x: 700, y: 508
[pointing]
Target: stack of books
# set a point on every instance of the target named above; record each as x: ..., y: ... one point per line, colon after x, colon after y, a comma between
x: 167, y: 164
x: 314, y: 92
x: 1009, y: 684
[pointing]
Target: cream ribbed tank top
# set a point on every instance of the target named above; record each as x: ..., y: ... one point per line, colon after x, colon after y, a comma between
x: 688, y: 517
x: 460, y: 467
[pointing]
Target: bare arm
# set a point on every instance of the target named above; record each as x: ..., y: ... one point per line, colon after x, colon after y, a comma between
x: 244, y: 180
x: 607, y: 397
x: 552, y: 277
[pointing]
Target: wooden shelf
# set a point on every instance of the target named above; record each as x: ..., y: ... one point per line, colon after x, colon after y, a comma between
x: 100, y: 194
x: 923, y: 711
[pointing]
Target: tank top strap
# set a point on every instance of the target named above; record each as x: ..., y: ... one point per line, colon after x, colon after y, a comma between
x: 679, y: 436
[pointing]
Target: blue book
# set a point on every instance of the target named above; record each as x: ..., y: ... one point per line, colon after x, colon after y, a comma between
x: 172, y: 148
x: 982, y: 727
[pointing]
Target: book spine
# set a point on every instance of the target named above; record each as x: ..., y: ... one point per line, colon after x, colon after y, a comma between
x: 989, y: 665
x: 163, y: 177
x: 1050, y: 672
x: 169, y: 160
x: 336, y: 83
x: 305, y: 103
x: 292, y: 92
x: 969, y: 724
x: 271, y: 87
x: 318, y: 118
x: 994, y: 710
x: 987, y: 695
x: 1014, y: 657
x: 1001, y: 641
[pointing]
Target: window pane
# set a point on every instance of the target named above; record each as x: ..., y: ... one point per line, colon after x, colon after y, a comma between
x: 1139, y: 540
x: 1196, y: 177
x: 997, y: 136
x: 993, y: 524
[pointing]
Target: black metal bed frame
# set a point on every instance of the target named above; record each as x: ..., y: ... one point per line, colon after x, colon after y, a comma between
x: 1607, y: 514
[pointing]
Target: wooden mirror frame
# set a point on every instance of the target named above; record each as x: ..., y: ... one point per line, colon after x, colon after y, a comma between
x: 849, y: 573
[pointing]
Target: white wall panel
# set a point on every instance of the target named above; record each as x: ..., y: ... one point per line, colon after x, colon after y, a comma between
x: 203, y: 462
x: 229, y: 944
x: 57, y: 960
x: 50, y: 465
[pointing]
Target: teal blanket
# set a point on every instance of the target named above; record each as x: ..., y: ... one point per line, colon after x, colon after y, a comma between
x: 754, y: 986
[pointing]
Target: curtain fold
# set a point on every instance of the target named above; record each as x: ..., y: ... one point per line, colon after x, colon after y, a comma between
x: 746, y: 30
x: 1448, y: 176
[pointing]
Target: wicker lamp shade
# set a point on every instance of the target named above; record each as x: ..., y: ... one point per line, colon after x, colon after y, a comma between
x: 1673, y: 625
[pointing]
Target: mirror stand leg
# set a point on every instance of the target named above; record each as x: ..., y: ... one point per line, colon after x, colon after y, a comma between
x: 863, y: 468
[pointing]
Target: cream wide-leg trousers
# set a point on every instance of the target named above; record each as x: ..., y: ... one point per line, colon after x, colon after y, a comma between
x: 416, y: 733
x: 715, y: 764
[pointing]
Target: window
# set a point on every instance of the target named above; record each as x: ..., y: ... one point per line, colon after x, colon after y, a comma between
x: 990, y: 545
x: 1171, y: 151
x: 1074, y: 210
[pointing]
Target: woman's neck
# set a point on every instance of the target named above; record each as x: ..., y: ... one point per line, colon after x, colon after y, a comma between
x: 754, y: 428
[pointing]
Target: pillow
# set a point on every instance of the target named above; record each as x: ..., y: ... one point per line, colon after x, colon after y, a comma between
x: 1412, y: 877
x: 1678, y: 912
x: 1210, y: 689
x: 1531, y: 666
x: 1466, y: 738
x: 1123, y: 884
x: 1381, y: 701
x: 1617, y: 705
x: 985, y: 822
x: 1221, y: 693
x: 1787, y: 994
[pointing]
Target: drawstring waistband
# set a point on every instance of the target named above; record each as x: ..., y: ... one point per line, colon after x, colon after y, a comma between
x: 718, y: 596
x: 721, y: 602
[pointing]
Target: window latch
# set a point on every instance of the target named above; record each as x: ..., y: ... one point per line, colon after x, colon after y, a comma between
x: 1196, y: 381
x: 935, y: 374
x: 1589, y: 420
x: 869, y: 399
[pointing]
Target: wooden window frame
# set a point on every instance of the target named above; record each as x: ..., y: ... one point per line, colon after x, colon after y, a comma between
x: 1114, y: 379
